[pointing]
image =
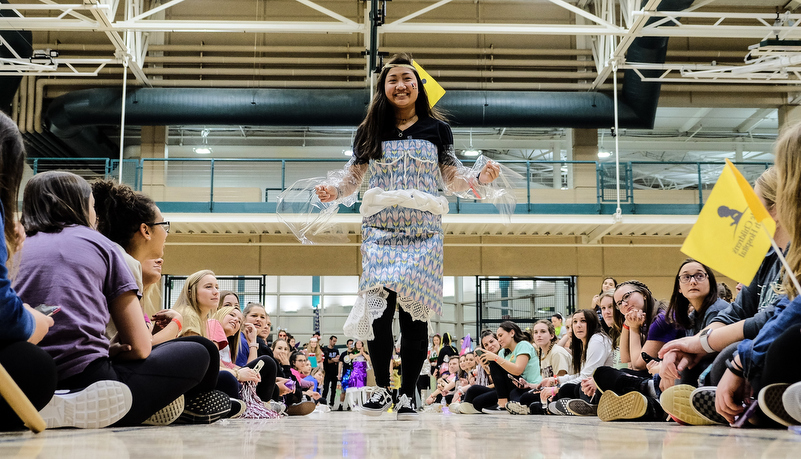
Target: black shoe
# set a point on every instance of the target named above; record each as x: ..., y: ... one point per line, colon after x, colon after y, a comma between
x: 238, y: 408
x: 205, y: 408
x: 537, y: 408
x: 379, y: 402
x: 619, y: 382
x: 495, y: 410
x: 405, y: 409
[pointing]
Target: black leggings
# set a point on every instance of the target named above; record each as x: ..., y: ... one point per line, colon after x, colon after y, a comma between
x: 330, y: 385
x: 503, y: 384
x: 481, y: 397
x: 414, y: 346
x: 173, y: 368
x: 34, y: 372
x: 227, y: 382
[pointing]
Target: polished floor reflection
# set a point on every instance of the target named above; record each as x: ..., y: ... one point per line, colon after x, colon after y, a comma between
x: 440, y: 436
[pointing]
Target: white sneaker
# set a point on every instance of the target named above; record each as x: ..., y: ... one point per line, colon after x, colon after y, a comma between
x: 468, y: 408
x: 99, y: 405
x: 791, y: 399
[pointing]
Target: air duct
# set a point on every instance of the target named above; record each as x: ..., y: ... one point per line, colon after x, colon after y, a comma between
x: 75, y: 117
x: 20, y: 41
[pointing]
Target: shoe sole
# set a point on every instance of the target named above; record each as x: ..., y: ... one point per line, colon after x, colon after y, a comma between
x: 454, y: 408
x: 677, y: 402
x: 300, y: 409
x: 791, y: 399
x: 468, y: 408
x: 495, y: 413
x: 168, y: 414
x: 99, y: 405
x: 770, y: 401
x: 702, y: 401
x: 517, y: 408
x: 240, y: 408
x: 581, y: 408
x: 559, y: 408
x: 407, y: 416
x: 612, y: 407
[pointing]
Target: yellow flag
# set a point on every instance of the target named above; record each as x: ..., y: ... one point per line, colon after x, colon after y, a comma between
x: 728, y: 235
x: 433, y: 89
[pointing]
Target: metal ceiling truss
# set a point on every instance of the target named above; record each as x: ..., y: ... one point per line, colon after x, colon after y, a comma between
x: 612, y: 25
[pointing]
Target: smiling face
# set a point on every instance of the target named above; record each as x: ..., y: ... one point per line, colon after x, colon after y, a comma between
x: 470, y: 361
x: 579, y: 324
x: 208, y: 293
x: 689, y: 286
x: 607, y: 310
x: 232, y: 322
x: 609, y: 284
x: 231, y: 300
x: 505, y: 338
x: 401, y: 87
x: 453, y: 366
x: 542, y: 336
x: 491, y: 344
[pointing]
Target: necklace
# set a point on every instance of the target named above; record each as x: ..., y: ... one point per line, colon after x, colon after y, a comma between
x: 405, y: 121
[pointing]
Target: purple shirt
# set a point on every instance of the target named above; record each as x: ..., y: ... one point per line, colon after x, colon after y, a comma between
x: 661, y: 330
x: 82, y: 271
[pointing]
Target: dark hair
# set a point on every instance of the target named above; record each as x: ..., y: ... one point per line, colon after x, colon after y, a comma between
x: 54, y: 200
x: 484, y: 334
x: 679, y: 309
x: 332, y: 337
x: 652, y: 307
x: 12, y: 165
x: 517, y: 334
x: 614, y: 330
x: 724, y: 292
x: 294, y: 357
x: 121, y: 211
x: 348, y: 341
x: 576, y: 345
x: 381, y: 114
x: 557, y: 315
x: 605, y: 279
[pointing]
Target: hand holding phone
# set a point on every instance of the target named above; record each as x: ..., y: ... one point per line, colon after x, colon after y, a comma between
x: 48, y: 310
x: 648, y: 358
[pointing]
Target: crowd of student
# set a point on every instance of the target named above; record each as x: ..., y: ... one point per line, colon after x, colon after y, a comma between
x: 696, y: 359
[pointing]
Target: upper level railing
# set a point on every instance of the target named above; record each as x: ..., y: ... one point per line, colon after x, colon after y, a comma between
x: 549, y: 187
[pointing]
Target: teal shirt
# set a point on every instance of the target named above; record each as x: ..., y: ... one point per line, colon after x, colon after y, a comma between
x: 532, y: 371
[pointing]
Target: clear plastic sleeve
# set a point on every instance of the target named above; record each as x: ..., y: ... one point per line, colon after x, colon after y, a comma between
x: 311, y: 220
x: 462, y: 181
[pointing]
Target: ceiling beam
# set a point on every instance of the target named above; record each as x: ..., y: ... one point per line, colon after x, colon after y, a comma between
x: 752, y: 121
x: 691, y: 122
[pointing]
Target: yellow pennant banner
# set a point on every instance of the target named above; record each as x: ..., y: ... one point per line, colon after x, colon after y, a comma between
x: 433, y: 89
x: 728, y: 235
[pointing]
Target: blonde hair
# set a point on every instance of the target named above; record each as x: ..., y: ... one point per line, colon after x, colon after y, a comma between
x: 317, y: 353
x: 187, y: 306
x: 767, y: 186
x: 788, y: 198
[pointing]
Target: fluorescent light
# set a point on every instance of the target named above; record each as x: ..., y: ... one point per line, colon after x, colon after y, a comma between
x: 347, y: 152
x: 471, y: 152
x: 604, y: 154
x: 202, y: 150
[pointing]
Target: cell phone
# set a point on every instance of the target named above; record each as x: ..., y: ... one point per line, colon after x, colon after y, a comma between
x: 47, y: 309
x: 748, y: 413
x: 478, y: 352
x: 648, y: 358
x: 258, y: 366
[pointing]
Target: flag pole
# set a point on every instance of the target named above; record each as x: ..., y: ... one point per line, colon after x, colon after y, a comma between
x: 783, y: 260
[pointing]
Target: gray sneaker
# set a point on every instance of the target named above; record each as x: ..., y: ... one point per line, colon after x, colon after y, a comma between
x: 517, y: 408
x: 560, y: 407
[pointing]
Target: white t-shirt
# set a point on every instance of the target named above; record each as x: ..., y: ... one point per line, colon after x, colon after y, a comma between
x: 558, y: 359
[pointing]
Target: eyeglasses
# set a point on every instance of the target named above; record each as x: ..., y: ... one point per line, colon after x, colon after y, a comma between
x: 625, y: 298
x: 166, y: 225
x: 699, y: 277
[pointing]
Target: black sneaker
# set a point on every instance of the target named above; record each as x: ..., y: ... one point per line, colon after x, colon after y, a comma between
x: 205, y: 408
x: 379, y: 402
x: 495, y: 410
x: 405, y: 409
x: 238, y: 408
x: 703, y: 402
x: 770, y: 401
x: 560, y: 407
x: 619, y: 382
x: 537, y: 408
x: 579, y: 407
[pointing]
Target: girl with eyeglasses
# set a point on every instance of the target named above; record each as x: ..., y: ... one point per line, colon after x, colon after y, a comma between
x: 642, y: 322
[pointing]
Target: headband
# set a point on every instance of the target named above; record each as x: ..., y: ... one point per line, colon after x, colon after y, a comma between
x: 400, y: 65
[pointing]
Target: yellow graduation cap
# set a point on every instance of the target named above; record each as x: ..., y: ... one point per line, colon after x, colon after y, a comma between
x: 728, y: 235
x: 433, y: 89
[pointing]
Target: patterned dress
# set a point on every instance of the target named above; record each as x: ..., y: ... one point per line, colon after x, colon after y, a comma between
x: 402, y: 247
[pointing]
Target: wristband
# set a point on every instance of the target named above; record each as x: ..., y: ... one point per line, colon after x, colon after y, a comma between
x: 178, y: 322
x: 254, y: 346
x: 236, y: 374
x: 733, y: 368
x: 626, y: 327
x: 704, y: 337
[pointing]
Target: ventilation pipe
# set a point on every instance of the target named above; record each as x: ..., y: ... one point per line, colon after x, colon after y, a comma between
x: 75, y: 117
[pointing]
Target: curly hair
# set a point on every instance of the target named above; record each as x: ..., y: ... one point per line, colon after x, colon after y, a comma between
x: 652, y: 307
x: 121, y: 211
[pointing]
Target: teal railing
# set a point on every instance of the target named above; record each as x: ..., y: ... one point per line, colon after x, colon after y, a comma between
x: 548, y: 187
